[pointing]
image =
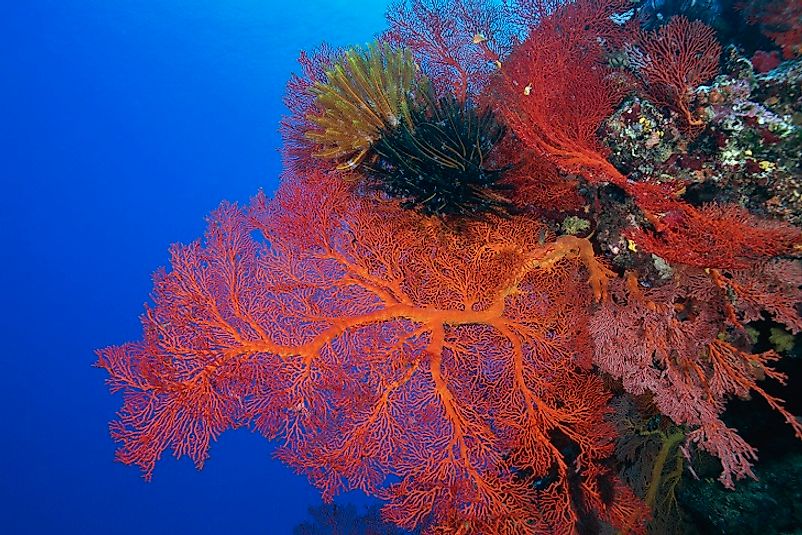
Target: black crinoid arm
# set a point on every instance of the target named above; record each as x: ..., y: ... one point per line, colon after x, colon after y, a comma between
x: 439, y: 162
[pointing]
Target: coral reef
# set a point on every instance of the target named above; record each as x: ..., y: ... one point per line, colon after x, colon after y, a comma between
x: 524, y: 273
x: 748, y: 155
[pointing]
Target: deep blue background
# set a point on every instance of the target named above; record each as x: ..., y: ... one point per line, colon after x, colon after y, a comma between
x: 122, y: 124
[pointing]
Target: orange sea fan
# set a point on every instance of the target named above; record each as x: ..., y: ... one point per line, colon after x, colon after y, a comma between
x: 373, y: 348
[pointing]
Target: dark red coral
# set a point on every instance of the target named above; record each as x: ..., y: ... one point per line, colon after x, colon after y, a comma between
x: 714, y: 236
x: 764, y: 61
x: 780, y: 21
x: 674, y: 60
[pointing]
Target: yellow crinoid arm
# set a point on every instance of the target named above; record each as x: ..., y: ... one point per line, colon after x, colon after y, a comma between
x: 366, y: 91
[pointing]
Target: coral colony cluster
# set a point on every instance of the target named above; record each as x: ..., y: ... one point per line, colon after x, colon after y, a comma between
x: 481, y: 293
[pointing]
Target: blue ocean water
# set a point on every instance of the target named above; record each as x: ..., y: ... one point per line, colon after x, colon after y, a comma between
x: 122, y: 124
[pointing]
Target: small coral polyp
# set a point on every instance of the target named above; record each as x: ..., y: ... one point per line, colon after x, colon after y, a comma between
x: 477, y: 377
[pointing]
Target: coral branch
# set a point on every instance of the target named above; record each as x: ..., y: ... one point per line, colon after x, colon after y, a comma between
x: 674, y: 60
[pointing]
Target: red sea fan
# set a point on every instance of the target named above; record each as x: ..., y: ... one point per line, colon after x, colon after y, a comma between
x: 675, y: 59
x: 297, y: 149
x: 455, y: 41
x: 580, y: 22
x: 179, y: 388
x: 538, y: 184
x: 715, y: 236
x: 554, y: 90
x: 377, y: 344
x: 541, y: 187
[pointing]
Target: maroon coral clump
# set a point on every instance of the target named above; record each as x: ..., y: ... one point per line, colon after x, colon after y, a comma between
x: 764, y: 61
x: 780, y: 21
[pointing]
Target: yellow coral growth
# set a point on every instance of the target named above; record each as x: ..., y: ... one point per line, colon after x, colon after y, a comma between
x: 365, y: 92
